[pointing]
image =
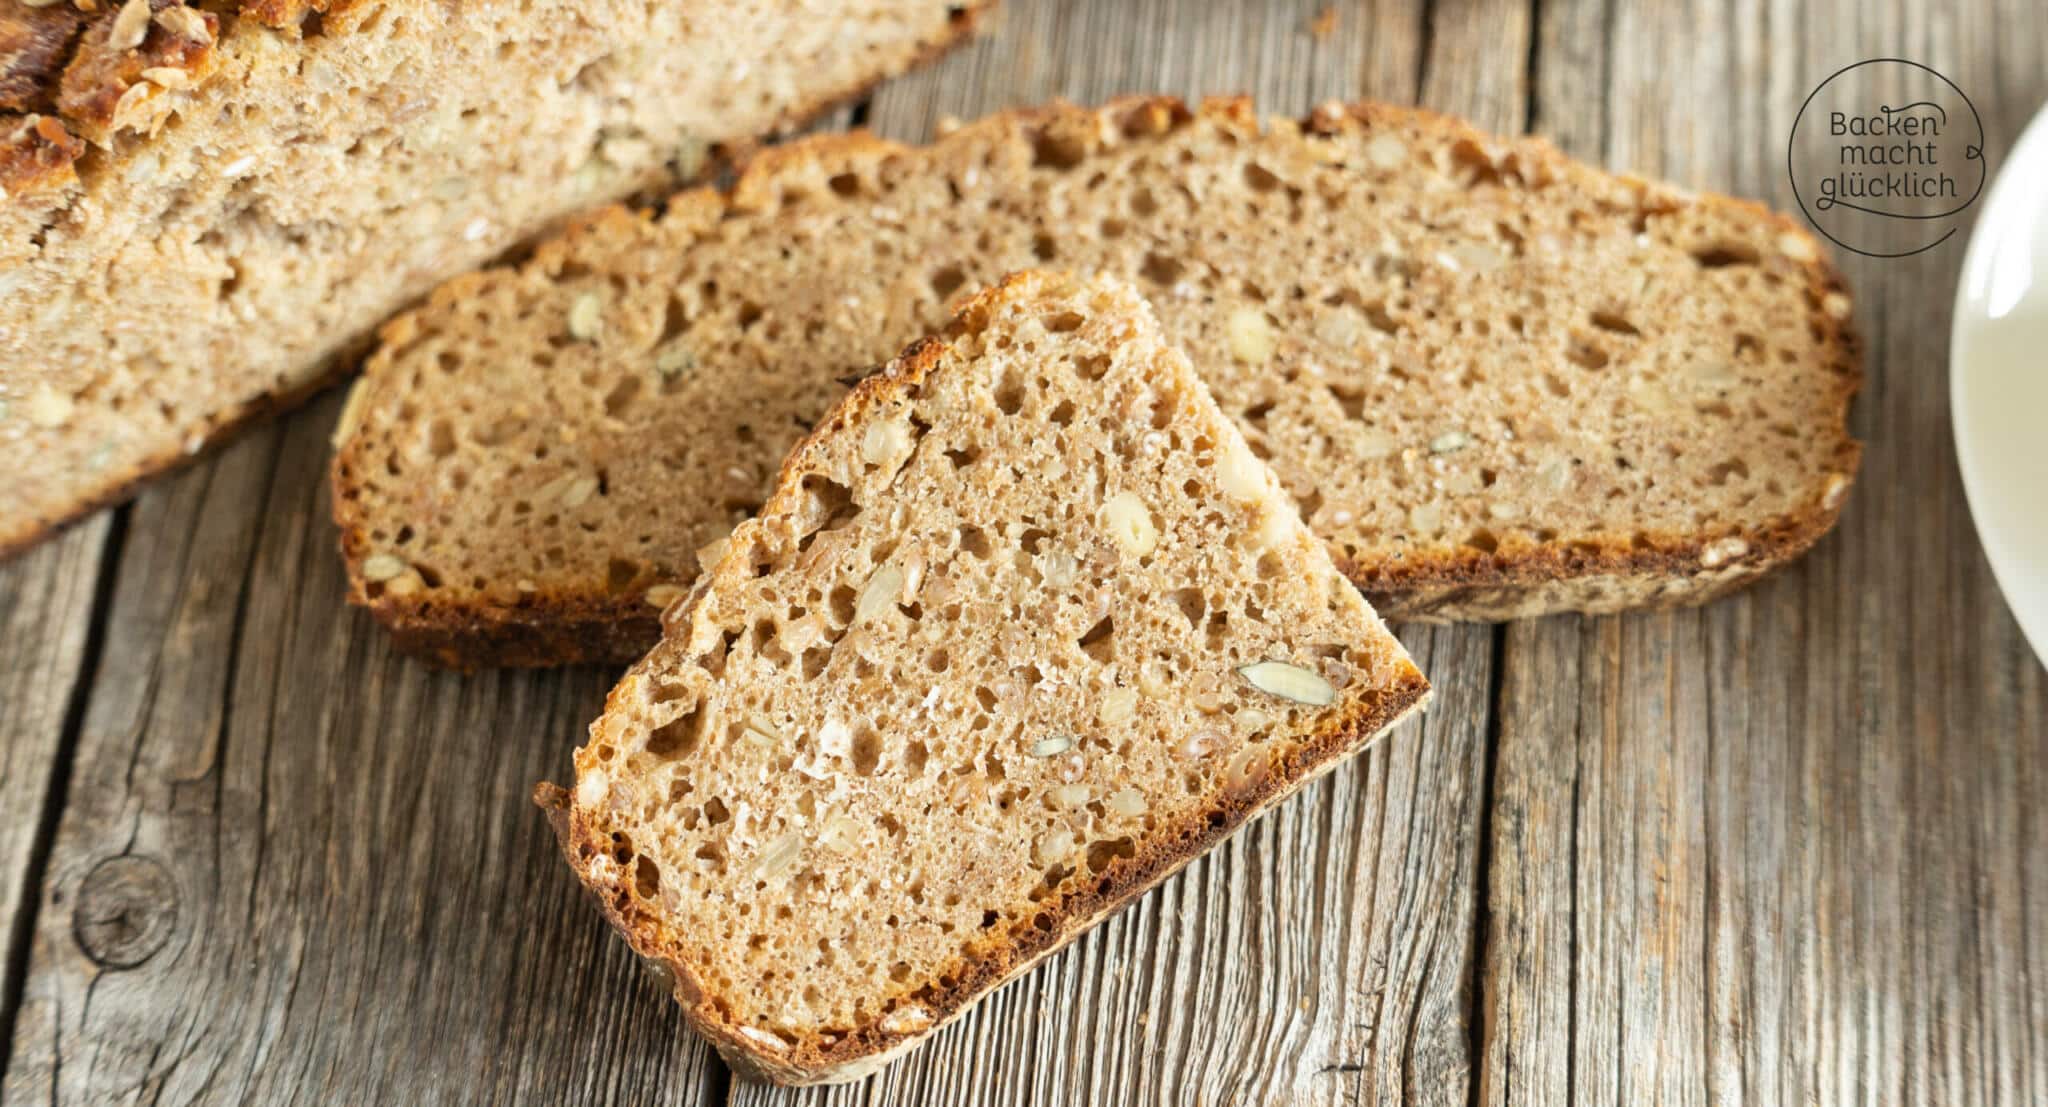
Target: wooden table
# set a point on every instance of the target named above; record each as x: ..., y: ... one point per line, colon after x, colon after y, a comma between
x: 1787, y: 849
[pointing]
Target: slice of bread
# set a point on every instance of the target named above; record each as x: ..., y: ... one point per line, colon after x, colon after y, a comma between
x: 1022, y: 628
x: 1497, y: 382
x: 206, y: 209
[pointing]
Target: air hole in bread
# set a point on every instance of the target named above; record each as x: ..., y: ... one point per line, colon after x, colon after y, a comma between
x: 1614, y: 322
x: 620, y: 398
x: 1054, y: 151
x: 1102, y: 854
x: 1350, y: 400
x: 1586, y: 354
x: 622, y: 575
x: 678, y: 738
x: 1720, y: 255
x: 646, y: 878
x: 1099, y: 642
x: 866, y: 752
x: 1162, y: 270
x: 1010, y: 395
x: 828, y: 504
x: 1309, y: 503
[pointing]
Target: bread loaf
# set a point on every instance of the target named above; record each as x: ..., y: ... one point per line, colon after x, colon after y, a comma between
x: 1497, y: 382
x: 1022, y: 627
x: 206, y: 208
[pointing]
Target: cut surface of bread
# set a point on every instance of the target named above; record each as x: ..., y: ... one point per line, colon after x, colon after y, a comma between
x: 206, y: 209
x: 1023, y: 627
x: 1496, y: 382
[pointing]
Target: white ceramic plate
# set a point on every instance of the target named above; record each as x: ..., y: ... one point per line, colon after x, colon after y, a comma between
x: 1998, y: 380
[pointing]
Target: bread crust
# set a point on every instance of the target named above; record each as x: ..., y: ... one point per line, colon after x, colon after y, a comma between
x: 1519, y: 578
x: 40, y: 154
x: 1001, y: 956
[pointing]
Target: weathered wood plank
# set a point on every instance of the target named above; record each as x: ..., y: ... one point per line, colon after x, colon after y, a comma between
x: 1786, y: 849
x: 1088, y: 52
x: 1779, y: 850
x: 293, y: 865
x: 1320, y: 957
x: 47, y: 597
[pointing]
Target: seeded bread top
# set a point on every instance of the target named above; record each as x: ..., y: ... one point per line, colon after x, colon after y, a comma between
x: 1024, y: 625
x: 79, y: 71
x: 103, y: 72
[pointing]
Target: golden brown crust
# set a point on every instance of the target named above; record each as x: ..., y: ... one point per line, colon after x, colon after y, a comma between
x: 33, y: 45
x: 1002, y: 954
x: 1457, y: 583
x: 36, y: 152
x: 82, y: 59
x: 283, y: 14
x: 109, y: 84
x: 572, y: 631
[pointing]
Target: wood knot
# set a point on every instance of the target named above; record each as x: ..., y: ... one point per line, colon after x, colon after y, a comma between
x: 126, y: 909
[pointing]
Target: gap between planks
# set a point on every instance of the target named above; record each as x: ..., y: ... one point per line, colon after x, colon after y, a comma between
x: 104, y: 551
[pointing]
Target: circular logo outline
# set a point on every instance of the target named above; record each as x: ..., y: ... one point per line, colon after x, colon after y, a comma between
x: 1983, y: 158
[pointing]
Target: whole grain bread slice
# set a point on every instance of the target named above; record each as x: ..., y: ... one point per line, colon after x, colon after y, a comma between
x: 1023, y: 627
x: 1496, y: 381
x: 207, y: 209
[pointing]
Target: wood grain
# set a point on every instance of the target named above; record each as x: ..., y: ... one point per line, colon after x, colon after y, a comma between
x: 1778, y: 850
x: 46, y: 611
x: 293, y: 864
x: 1785, y: 849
